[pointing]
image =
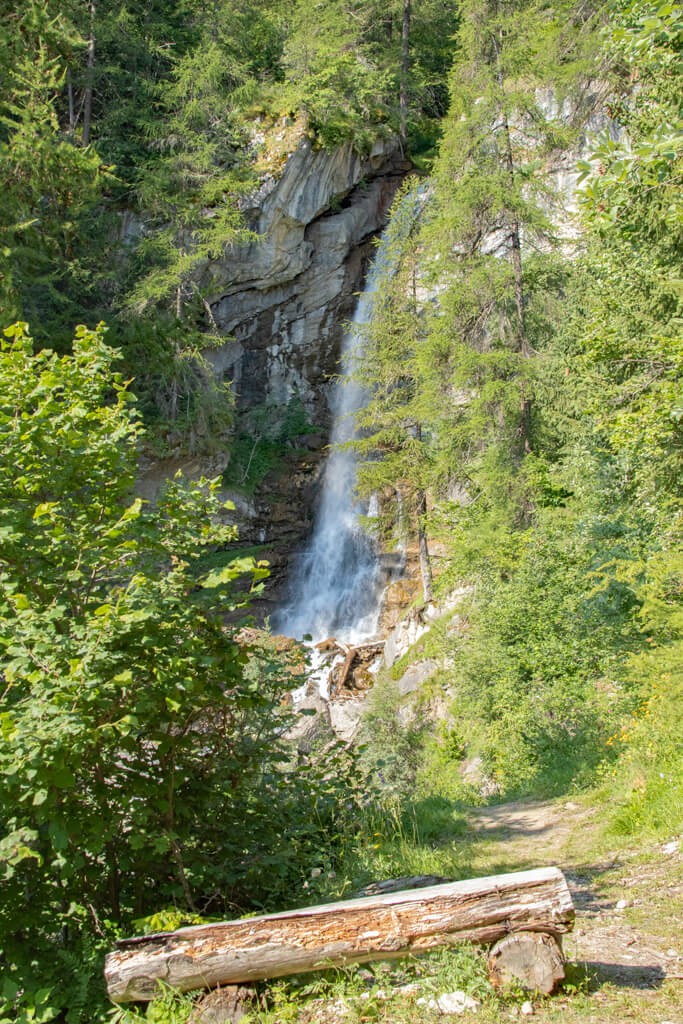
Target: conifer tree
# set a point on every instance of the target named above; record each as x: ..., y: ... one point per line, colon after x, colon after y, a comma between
x: 395, y: 439
x: 490, y: 233
x: 47, y: 182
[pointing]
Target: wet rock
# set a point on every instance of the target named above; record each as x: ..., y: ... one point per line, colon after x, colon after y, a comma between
x: 327, y: 645
x: 362, y: 678
x: 397, y: 599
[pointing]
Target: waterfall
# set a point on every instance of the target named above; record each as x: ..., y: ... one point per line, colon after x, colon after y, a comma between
x: 336, y: 585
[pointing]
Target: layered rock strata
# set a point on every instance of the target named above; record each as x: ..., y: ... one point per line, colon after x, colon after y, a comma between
x: 283, y: 299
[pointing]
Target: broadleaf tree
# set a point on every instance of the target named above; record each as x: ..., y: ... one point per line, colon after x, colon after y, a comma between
x: 141, y: 764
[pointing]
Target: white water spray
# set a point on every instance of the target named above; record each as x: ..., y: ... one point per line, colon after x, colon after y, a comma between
x: 336, y: 586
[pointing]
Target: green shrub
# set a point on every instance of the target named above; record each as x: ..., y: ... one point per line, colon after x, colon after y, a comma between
x: 142, y: 762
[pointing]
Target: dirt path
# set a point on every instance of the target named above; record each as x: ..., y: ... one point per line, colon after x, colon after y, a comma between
x: 629, y: 902
x: 532, y: 832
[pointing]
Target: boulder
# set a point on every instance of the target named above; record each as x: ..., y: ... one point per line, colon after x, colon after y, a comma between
x: 345, y: 717
x: 313, y: 726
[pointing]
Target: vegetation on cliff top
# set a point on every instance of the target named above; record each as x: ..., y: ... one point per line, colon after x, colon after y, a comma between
x: 129, y: 131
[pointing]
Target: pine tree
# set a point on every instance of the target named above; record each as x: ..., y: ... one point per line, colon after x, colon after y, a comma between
x: 47, y: 182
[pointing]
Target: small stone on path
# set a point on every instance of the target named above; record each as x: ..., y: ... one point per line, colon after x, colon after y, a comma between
x: 451, y: 1002
x: 528, y: 1009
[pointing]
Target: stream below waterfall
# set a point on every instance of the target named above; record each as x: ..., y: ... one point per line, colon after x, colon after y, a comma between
x: 336, y: 584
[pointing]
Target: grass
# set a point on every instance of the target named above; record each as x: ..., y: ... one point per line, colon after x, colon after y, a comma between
x: 424, y: 838
x: 168, y: 1008
x: 434, y: 838
x: 586, y: 836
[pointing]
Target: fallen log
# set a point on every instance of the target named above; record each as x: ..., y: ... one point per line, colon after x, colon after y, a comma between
x: 398, y: 884
x: 363, y: 653
x: 381, y: 927
x: 340, y: 675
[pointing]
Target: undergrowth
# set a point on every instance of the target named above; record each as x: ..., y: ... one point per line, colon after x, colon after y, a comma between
x: 263, y: 437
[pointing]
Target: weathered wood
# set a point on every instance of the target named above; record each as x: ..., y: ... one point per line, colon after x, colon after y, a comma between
x: 399, y: 884
x: 342, y: 674
x: 224, y: 1006
x: 530, y: 959
x: 355, y: 931
x: 368, y: 649
x: 362, y: 653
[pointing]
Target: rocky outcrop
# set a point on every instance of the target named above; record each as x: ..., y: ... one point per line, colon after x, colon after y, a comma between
x: 283, y: 299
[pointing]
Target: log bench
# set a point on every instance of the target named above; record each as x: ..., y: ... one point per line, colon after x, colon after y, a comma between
x: 521, y: 915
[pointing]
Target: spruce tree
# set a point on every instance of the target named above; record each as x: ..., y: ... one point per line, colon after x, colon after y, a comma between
x: 47, y: 182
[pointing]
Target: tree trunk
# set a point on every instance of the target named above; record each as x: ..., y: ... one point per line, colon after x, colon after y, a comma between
x: 377, y: 927
x: 521, y: 339
x: 405, y: 68
x: 89, y: 78
x: 72, y: 106
x: 423, y: 546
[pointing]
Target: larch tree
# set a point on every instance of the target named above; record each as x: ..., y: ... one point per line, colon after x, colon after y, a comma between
x: 491, y: 233
x: 394, y: 444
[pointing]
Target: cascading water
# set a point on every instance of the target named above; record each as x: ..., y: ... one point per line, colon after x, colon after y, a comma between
x: 336, y: 586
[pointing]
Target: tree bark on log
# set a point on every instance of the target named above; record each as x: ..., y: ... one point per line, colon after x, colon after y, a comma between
x: 374, y: 928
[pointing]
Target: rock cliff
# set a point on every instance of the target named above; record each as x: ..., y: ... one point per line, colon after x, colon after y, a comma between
x: 282, y: 300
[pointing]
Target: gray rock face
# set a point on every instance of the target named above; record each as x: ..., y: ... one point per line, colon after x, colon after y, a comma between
x: 311, y: 730
x: 415, y: 676
x: 345, y: 718
x: 283, y: 299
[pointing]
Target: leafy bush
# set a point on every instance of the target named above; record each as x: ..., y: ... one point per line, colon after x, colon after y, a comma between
x: 142, y: 762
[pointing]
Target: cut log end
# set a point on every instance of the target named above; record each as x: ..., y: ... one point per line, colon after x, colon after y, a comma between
x: 224, y: 1006
x: 530, y: 959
